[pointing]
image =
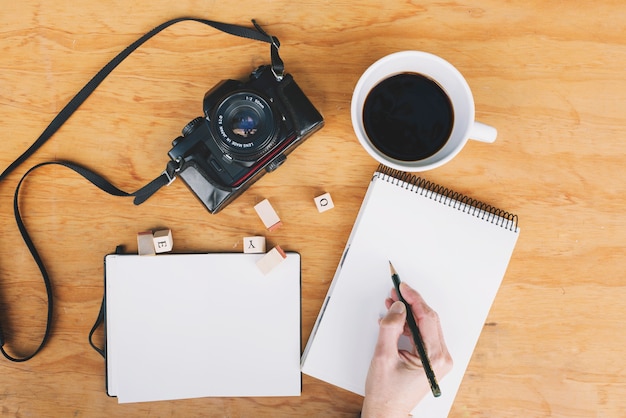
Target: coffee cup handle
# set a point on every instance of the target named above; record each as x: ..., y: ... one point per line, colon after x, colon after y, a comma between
x: 483, y: 133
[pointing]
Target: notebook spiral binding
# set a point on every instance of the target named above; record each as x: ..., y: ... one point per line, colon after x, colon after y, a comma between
x: 449, y: 197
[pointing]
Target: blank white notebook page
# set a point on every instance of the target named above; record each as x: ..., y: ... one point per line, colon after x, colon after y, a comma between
x: 454, y: 259
x: 185, y: 326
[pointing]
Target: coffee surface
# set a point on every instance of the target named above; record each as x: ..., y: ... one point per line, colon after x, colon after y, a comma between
x: 408, y: 117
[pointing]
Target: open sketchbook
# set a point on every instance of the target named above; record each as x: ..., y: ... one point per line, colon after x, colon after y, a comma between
x: 452, y: 249
x: 194, y: 325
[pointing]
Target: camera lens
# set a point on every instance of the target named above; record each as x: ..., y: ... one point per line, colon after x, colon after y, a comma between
x: 244, y: 122
x: 245, y: 126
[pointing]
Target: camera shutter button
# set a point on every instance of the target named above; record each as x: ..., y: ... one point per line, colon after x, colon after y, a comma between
x: 277, y: 162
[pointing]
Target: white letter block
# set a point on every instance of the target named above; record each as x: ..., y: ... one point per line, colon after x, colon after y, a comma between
x: 270, y: 260
x: 254, y: 245
x: 163, y: 241
x: 268, y: 215
x: 145, y: 243
x: 324, y: 202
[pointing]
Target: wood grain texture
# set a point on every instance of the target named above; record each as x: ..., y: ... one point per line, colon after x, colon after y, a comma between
x: 548, y: 75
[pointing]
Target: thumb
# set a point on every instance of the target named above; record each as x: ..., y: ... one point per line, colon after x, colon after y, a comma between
x: 391, y: 327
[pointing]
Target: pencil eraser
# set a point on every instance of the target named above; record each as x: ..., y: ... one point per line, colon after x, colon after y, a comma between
x: 273, y: 258
x: 254, y: 245
x: 324, y: 202
x: 163, y: 241
x: 145, y: 243
x: 268, y: 215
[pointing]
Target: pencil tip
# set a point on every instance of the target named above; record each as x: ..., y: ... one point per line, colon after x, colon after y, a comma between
x: 393, y: 270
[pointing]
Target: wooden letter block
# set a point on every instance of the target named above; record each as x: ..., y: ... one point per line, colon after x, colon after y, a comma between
x: 268, y: 215
x: 145, y: 243
x: 324, y: 202
x: 254, y: 245
x: 270, y: 260
x: 163, y: 241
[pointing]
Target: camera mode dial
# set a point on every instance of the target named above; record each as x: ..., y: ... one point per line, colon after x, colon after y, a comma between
x: 191, y: 126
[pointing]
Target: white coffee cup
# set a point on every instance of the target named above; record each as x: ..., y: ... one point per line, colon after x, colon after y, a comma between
x: 453, y: 84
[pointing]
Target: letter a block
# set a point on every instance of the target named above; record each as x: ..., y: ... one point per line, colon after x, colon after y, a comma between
x: 254, y: 245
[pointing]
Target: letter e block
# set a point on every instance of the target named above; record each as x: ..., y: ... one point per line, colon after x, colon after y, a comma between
x: 163, y: 241
x: 324, y: 202
x: 145, y: 243
x: 270, y: 260
x: 254, y: 245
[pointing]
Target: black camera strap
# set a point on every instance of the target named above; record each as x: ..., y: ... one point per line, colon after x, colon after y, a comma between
x: 141, y: 195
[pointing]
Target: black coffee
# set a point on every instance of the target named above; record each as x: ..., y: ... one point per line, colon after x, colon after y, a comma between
x: 408, y: 117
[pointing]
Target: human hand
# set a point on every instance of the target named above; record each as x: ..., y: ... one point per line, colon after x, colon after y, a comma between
x: 396, y: 381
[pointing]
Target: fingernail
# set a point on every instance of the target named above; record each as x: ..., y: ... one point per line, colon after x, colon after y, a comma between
x: 397, y: 307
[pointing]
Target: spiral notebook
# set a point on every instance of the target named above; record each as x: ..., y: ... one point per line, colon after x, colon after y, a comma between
x: 454, y: 250
x: 196, y: 325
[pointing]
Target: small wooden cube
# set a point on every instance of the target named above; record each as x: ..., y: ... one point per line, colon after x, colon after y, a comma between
x: 324, y: 202
x: 268, y: 215
x: 145, y: 243
x: 254, y: 245
x: 163, y: 241
x: 271, y: 260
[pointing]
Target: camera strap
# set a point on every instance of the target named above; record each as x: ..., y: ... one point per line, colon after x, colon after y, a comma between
x: 141, y: 195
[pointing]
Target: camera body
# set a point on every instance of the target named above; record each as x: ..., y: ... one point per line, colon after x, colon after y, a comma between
x: 247, y: 130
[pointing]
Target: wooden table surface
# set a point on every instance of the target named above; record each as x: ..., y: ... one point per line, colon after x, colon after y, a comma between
x: 551, y: 76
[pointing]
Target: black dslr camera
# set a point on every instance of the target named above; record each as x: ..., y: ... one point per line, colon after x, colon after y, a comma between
x: 248, y: 128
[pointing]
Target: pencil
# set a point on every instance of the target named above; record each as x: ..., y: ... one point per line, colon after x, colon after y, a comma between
x: 417, y: 336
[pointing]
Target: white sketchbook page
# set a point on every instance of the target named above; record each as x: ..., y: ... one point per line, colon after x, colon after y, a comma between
x: 186, y: 326
x: 455, y: 260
